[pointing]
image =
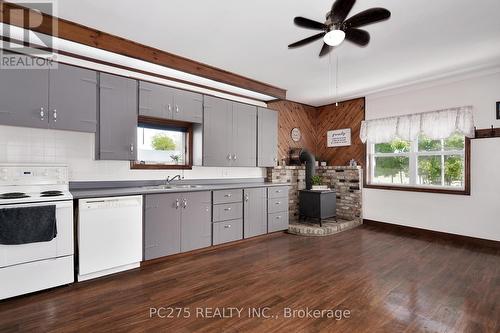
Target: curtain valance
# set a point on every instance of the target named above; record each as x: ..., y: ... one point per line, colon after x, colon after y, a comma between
x: 435, y: 125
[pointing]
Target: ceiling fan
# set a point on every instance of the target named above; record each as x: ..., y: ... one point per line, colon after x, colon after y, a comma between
x: 337, y: 28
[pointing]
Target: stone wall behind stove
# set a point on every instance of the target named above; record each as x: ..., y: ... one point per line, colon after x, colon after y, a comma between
x: 345, y: 180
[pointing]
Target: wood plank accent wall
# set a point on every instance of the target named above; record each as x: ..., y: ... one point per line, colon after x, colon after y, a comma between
x: 348, y: 114
x: 314, y: 123
x: 290, y: 115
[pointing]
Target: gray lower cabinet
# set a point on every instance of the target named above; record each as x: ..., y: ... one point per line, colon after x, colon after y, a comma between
x: 267, y: 132
x: 117, y: 135
x: 24, y: 98
x: 162, y: 225
x: 160, y: 101
x: 73, y: 99
x: 196, y: 226
x: 176, y: 222
x: 229, y: 133
x: 254, y: 212
x: 228, y: 231
x: 277, y: 208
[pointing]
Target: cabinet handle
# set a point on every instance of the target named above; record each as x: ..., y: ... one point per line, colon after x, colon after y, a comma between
x: 278, y: 191
x: 177, y: 204
x: 132, y: 148
x: 278, y: 217
x: 229, y: 157
x: 277, y: 203
x: 54, y: 115
x: 227, y: 209
x: 227, y: 226
x: 234, y: 157
x: 169, y: 107
x: 227, y: 195
x: 177, y: 108
x: 42, y: 114
x: 184, y: 203
x: 246, y: 197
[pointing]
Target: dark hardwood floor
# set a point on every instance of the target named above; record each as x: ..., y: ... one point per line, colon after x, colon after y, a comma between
x: 389, y: 282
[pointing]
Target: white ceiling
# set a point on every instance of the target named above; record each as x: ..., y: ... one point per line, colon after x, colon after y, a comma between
x: 423, y: 38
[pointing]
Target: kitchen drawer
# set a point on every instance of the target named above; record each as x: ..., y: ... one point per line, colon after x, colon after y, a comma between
x: 227, y: 196
x: 277, y: 192
x: 277, y: 205
x: 277, y: 222
x: 229, y: 211
x: 228, y: 231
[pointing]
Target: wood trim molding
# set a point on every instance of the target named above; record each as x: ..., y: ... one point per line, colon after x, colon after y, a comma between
x: 92, y: 37
x: 465, y: 191
x: 434, y: 235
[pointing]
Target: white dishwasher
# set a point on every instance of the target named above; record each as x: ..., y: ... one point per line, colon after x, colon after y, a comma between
x: 109, y: 235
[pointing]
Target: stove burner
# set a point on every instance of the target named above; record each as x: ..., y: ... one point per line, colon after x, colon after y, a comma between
x: 13, y: 195
x: 51, y: 193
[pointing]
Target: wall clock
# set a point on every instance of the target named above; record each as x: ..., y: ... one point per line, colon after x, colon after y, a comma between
x: 295, y: 134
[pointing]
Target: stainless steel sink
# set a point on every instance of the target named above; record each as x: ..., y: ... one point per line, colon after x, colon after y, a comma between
x: 171, y: 187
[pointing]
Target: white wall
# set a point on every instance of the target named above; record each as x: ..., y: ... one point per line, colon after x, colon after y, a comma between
x: 28, y: 145
x: 477, y: 215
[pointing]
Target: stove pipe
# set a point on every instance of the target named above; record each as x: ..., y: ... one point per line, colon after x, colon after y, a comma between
x: 308, y: 158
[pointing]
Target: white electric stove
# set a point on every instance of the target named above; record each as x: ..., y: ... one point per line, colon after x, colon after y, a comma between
x: 31, y: 267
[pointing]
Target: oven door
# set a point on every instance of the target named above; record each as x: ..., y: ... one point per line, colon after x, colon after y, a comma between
x: 60, y: 246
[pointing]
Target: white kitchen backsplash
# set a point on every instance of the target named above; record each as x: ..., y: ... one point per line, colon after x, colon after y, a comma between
x: 32, y: 145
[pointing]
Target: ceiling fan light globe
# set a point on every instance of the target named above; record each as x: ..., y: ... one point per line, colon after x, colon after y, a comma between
x: 334, y: 37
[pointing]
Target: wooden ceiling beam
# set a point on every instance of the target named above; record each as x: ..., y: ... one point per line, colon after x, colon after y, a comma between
x: 91, y: 37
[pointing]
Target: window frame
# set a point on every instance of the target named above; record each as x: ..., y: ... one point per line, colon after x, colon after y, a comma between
x: 188, y: 129
x: 413, y: 155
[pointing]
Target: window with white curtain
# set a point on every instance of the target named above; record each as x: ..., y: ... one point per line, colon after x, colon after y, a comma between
x: 422, y: 151
x: 423, y: 163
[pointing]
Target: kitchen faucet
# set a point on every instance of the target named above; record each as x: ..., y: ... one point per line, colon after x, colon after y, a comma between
x: 168, y: 180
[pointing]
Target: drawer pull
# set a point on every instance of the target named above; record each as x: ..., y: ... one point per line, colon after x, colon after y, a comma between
x: 227, y: 226
x: 278, y: 217
x: 227, y: 209
x: 277, y: 203
x: 227, y: 195
x: 278, y: 191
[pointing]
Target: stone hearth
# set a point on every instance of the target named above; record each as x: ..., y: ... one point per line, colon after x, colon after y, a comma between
x: 329, y: 227
x: 345, y: 180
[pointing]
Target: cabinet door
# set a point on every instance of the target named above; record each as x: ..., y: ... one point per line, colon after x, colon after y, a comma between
x: 155, y: 100
x: 162, y: 225
x: 24, y: 97
x: 244, y: 137
x: 217, y: 132
x: 188, y: 106
x: 254, y: 212
x: 73, y: 99
x: 196, y: 226
x: 118, y: 118
x: 267, y: 152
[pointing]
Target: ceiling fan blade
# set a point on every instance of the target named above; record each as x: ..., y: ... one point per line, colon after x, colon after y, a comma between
x: 325, y: 50
x: 340, y: 10
x: 357, y: 36
x: 307, y: 40
x: 368, y: 16
x: 309, y: 24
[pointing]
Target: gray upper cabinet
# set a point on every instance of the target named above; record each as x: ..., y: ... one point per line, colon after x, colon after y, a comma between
x: 254, y: 212
x: 217, y: 132
x: 160, y: 101
x: 73, y: 99
x: 188, y: 106
x: 117, y: 136
x: 196, y: 226
x: 267, y: 131
x: 162, y: 225
x: 244, y: 135
x: 229, y: 133
x: 24, y: 97
x: 155, y: 100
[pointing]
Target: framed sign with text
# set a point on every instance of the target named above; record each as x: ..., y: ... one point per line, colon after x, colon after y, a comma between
x: 338, y: 138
